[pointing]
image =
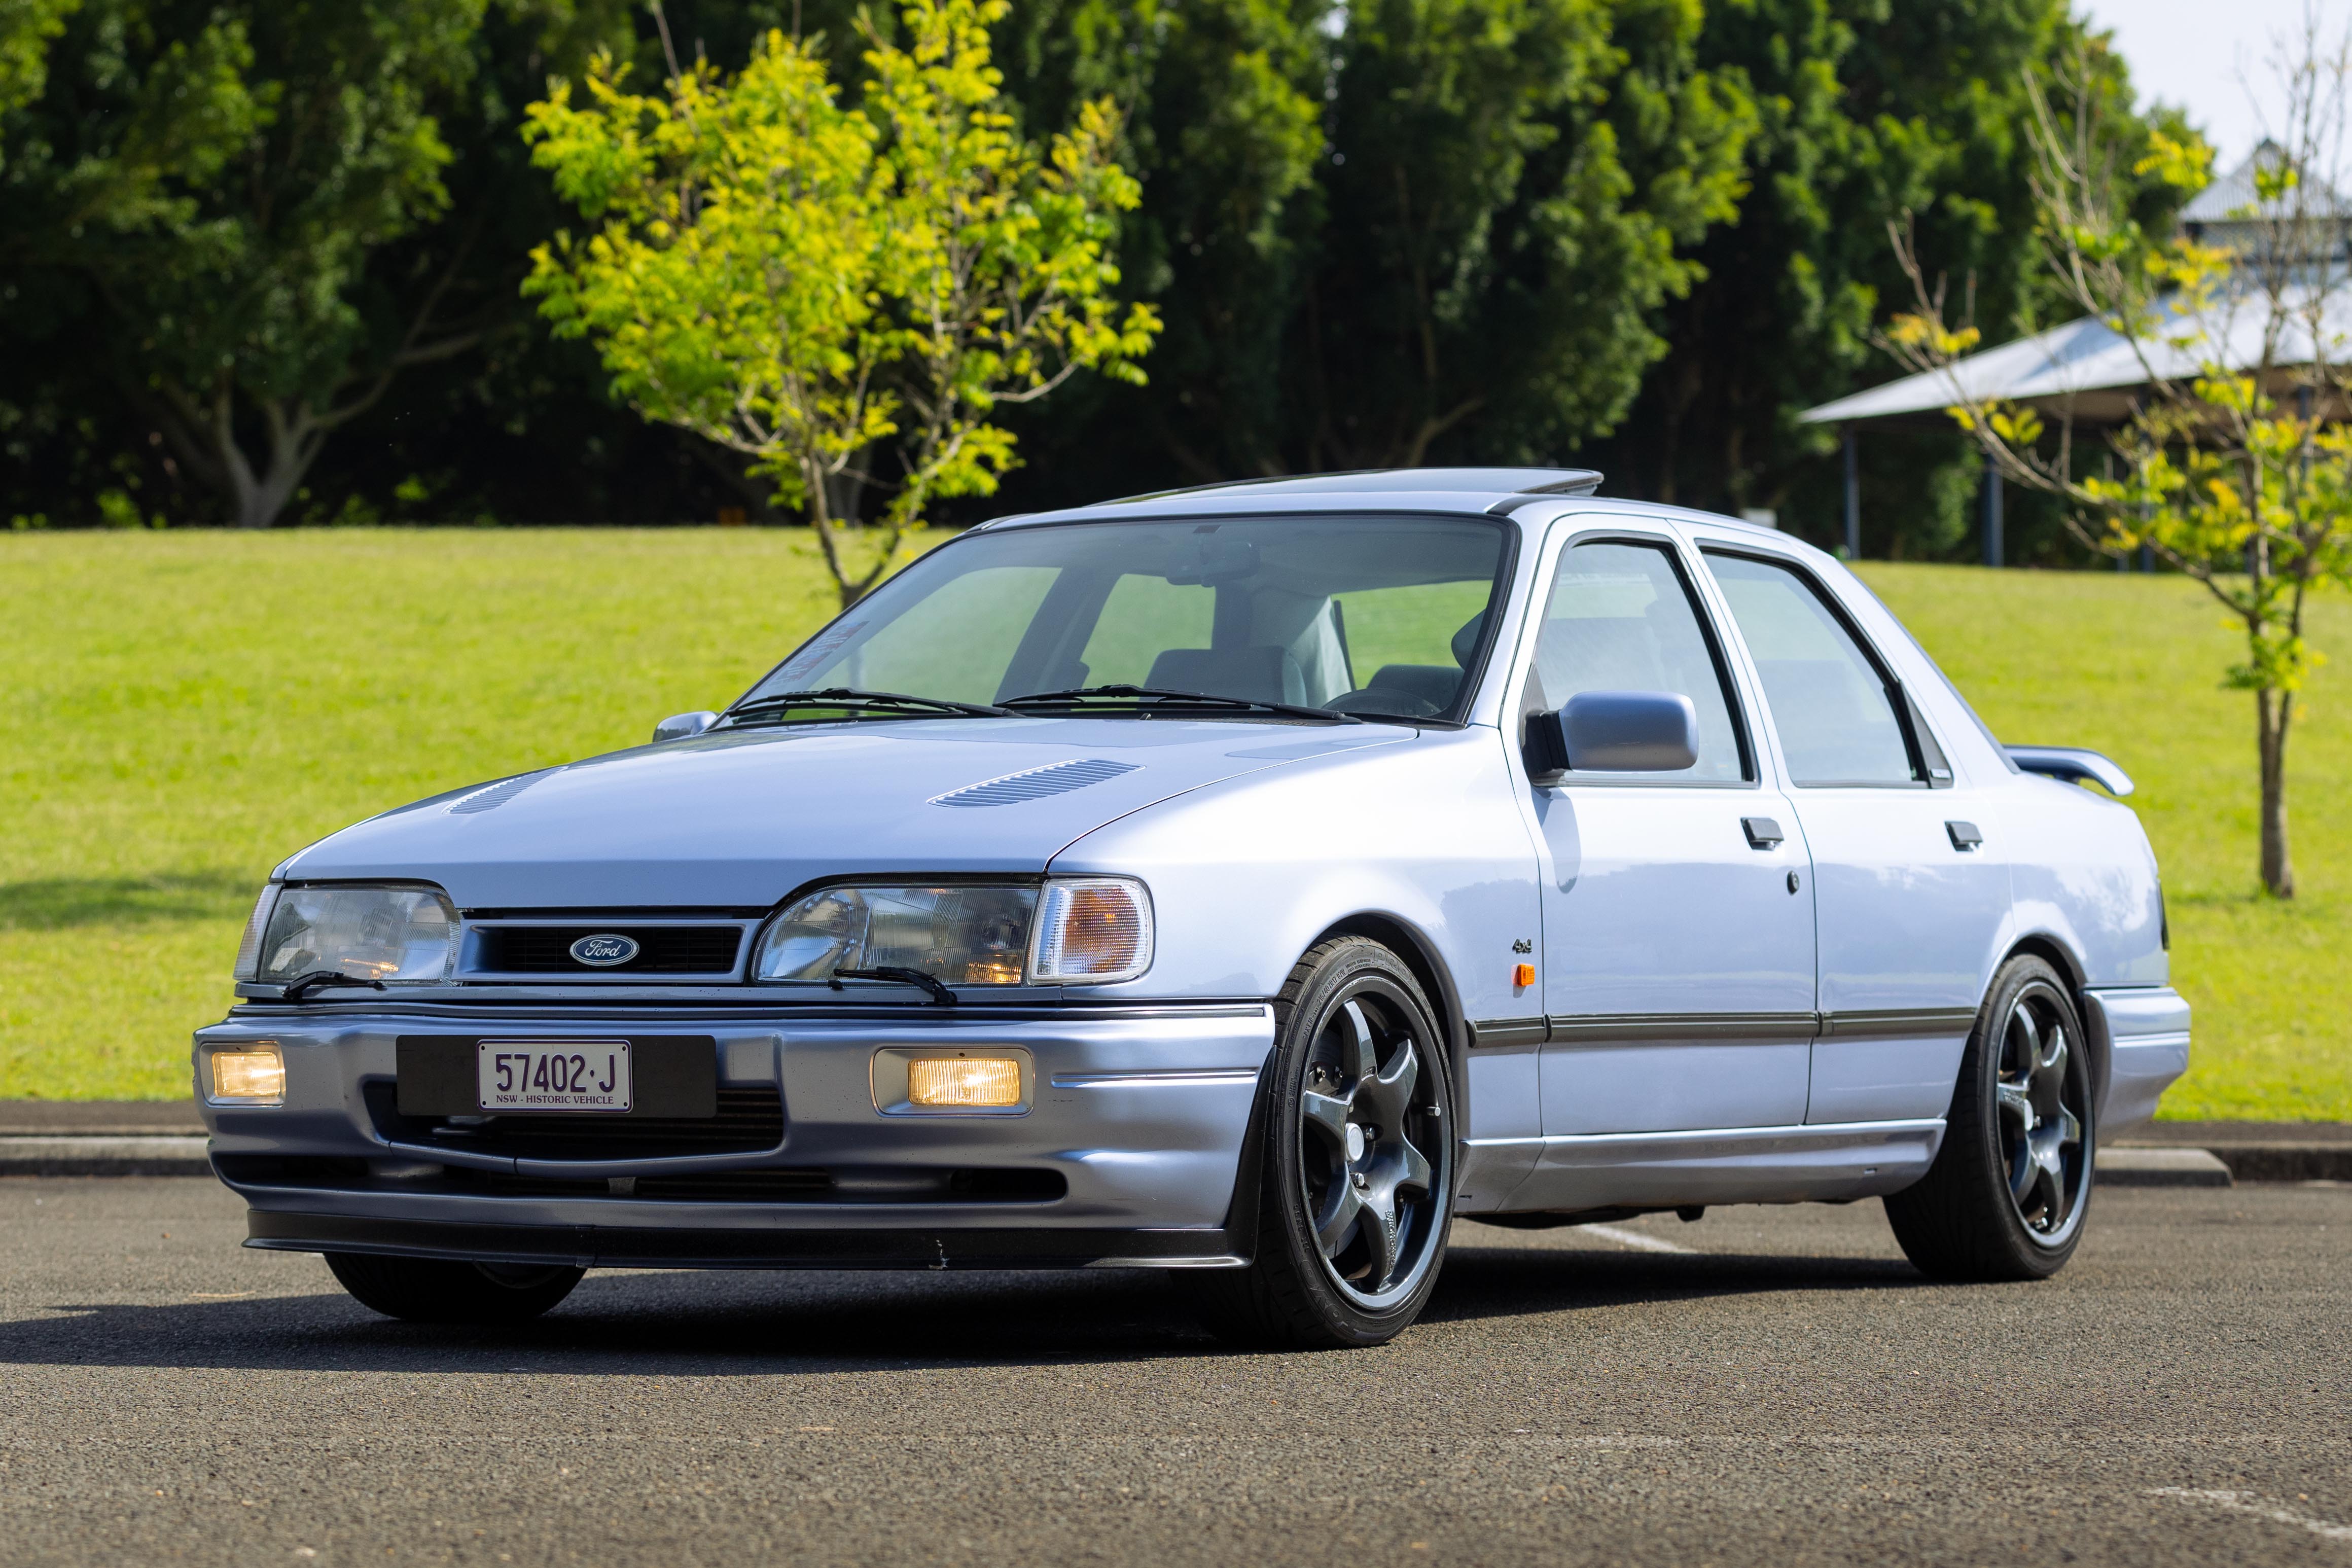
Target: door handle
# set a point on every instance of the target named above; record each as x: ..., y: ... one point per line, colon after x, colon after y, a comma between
x: 1964, y: 834
x: 1763, y: 833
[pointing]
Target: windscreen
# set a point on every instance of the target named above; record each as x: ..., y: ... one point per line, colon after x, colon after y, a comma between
x: 1378, y: 617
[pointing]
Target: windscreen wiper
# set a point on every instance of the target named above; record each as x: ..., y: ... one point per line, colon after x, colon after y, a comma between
x: 940, y: 995
x: 318, y: 977
x: 1083, y: 698
x: 896, y: 703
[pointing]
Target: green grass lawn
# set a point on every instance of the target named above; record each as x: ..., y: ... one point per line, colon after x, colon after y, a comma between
x: 184, y: 710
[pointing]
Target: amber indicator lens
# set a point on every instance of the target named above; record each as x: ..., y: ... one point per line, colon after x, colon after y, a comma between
x: 1094, y: 930
x: 258, y: 1074
x: 963, y: 1082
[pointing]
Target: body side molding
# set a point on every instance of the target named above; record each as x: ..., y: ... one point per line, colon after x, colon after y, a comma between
x: 1761, y: 1027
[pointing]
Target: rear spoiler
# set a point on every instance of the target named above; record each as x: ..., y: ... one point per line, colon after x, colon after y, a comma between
x: 2072, y: 764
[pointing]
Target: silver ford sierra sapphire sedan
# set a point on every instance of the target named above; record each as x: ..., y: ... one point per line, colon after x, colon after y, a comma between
x: 1248, y: 880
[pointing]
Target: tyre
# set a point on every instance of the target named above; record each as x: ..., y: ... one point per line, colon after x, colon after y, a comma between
x: 437, y: 1291
x: 1356, y: 1161
x: 2007, y: 1194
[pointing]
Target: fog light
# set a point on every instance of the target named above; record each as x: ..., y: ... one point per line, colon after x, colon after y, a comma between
x: 963, y: 1082
x: 254, y: 1074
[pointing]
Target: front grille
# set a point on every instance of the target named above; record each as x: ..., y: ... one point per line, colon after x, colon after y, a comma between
x: 749, y: 1121
x: 661, y: 950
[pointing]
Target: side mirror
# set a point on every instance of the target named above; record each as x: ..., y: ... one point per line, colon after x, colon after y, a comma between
x: 679, y: 726
x: 1615, y: 732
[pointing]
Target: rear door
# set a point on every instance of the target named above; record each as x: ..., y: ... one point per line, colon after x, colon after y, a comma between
x: 1678, y: 978
x: 1911, y: 894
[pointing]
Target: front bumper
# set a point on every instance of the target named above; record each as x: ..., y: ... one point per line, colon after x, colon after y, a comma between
x: 1128, y: 1153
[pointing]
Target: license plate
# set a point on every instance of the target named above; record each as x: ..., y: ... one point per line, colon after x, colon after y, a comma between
x: 553, y: 1075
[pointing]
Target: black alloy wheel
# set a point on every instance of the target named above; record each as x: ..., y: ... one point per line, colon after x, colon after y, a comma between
x: 2043, y: 1107
x: 2009, y: 1191
x: 1356, y: 1160
x: 444, y: 1291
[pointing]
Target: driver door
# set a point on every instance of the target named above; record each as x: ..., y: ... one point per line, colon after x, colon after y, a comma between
x: 1678, y: 975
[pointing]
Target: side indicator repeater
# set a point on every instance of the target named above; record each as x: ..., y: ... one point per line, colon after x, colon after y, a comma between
x: 1523, y: 975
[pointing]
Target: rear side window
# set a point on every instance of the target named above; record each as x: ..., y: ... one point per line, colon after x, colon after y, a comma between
x: 1620, y: 619
x: 1829, y: 703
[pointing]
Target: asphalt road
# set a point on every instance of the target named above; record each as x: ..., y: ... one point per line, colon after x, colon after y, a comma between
x: 1791, y: 1392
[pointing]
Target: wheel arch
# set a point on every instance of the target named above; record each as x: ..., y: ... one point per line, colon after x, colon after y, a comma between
x: 2069, y: 965
x: 1418, y: 956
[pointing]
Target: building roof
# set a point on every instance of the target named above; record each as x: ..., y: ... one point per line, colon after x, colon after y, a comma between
x: 2233, y: 198
x: 2095, y: 367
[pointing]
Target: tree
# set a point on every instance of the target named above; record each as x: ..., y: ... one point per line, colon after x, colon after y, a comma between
x: 1509, y: 191
x: 27, y: 28
x: 1865, y: 107
x: 807, y: 284
x: 1398, y: 231
x: 2235, y: 466
x: 219, y: 178
x: 1225, y: 129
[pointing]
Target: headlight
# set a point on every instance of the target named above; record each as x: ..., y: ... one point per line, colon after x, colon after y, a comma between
x: 1093, y: 930
x: 369, y: 934
x: 965, y: 936
x: 249, y: 950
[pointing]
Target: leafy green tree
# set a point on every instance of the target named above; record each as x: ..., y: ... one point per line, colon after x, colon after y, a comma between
x: 219, y: 178
x: 2235, y: 466
x: 807, y: 283
x: 1401, y: 231
x: 27, y: 27
x: 1225, y: 129
x: 1512, y: 188
x: 1867, y: 109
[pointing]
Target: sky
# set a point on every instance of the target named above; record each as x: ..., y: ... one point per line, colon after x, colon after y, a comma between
x: 2191, y: 52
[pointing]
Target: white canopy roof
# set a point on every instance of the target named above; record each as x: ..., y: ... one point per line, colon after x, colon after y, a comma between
x: 2080, y: 361
x: 2094, y: 368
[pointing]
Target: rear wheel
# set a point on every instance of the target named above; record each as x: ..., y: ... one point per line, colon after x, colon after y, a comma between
x: 438, y: 1290
x: 2007, y: 1195
x: 1356, y: 1160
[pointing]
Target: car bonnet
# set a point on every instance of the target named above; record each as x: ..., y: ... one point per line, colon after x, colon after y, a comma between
x: 738, y: 819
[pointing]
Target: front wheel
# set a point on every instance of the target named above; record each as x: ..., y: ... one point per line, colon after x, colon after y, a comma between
x: 438, y: 1290
x: 1355, y: 1170
x: 2006, y: 1196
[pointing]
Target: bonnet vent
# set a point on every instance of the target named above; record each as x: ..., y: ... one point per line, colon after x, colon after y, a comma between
x: 1035, y: 784
x: 497, y: 794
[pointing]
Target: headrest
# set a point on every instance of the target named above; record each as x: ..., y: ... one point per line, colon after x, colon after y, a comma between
x: 1261, y: 674
x: 1465, y: 641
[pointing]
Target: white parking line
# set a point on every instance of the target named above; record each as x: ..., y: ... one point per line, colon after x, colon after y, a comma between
x: 1634, y: 1238
x: 2259, y: 1507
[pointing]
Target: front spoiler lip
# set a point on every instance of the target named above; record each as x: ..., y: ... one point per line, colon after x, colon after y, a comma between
x: 631, y: 1246
x: 737, y: 1005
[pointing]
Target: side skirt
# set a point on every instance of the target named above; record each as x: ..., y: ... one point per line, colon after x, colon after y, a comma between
x: 1747, y: 1164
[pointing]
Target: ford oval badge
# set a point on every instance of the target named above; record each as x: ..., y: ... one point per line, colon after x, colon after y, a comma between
x: 605, y: 949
